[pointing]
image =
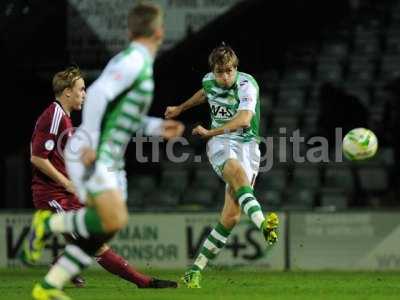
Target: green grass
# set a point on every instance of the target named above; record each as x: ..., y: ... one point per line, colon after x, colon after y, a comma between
x: 221, y: 284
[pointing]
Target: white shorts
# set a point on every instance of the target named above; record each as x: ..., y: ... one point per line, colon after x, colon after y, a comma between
x: 219, y: 150
x: 99, y: 178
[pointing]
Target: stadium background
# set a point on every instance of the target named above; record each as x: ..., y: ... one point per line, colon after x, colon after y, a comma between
x: 320, y: 65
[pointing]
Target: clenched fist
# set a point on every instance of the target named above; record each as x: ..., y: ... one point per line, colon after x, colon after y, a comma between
x: 201, y: 131
x: 172, y: 112
x: 172, y: 129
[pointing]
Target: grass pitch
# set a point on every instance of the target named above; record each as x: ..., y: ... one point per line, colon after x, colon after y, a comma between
x: 222, y: 284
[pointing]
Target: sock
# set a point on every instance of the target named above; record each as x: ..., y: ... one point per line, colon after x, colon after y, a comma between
x: 117, y: 265
x: 83, y: 222
x: 70, y: 264
x: 212, y: 245
x: 250, y: 205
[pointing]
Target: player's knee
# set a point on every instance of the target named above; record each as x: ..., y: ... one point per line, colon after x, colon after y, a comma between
x: 233, y: 171
x: 231, y: 167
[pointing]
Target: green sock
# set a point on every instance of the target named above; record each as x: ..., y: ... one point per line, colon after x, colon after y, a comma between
x: 46, y: 285
x: 84, y: 222
x: 211, y: 247
x: 250, y: 205
x: 70, y: 264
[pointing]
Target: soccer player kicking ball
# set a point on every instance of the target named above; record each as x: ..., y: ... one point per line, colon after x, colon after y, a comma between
x: 51, y: 188
x: 115, y: 108
x: 233, y: 151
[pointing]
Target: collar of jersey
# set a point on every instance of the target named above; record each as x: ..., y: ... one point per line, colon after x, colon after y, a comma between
x: 234, y: 85
x: 142, y: 49
x: 59, y: 104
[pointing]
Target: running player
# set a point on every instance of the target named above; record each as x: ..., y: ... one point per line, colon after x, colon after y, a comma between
x: 115, y: 108
x: 51, y: 188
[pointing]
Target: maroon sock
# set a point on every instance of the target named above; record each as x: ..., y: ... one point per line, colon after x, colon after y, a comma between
x: 117, y: 265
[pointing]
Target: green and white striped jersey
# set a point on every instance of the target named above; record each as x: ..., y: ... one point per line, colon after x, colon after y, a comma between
x: 225, y: 103
x: 117, y: 103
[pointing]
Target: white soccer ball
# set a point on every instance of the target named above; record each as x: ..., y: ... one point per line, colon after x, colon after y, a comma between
x: 359, y: 144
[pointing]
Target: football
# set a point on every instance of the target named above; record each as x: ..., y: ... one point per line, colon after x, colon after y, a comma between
x: 360, y: 144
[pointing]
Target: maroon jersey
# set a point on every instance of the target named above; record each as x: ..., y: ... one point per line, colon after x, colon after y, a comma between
x: 52, y: 130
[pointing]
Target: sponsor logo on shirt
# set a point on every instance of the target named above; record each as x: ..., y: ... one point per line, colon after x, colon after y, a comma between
x: 221, y: 112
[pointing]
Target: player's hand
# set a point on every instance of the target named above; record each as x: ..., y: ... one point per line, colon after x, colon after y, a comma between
x: 172, y: 129
x: 201, y: 131
x: 88, y: 156
x: 172, y: 112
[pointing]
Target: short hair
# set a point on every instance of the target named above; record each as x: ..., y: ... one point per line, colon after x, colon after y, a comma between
x: 142, y: 19
x: 223, y: 55
x: 65, y: 79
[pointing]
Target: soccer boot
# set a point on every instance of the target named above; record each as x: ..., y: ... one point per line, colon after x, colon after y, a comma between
x: 35, y: 242
x: 192, y: 279
x: 40, y: 293
x: 156, y: 283
x: 269, y: 228
x: 78, y: 281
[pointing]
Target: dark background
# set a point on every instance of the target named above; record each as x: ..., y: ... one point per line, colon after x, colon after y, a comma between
x: 284, y: 44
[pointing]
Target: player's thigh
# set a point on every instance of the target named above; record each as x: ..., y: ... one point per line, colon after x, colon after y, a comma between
x: 245, y: 162
x: 251, y: 161
x: 112, y: 209
x: 230, y: 214
x: 102, y: 177
x: 246, y: 155
x: 234, y: 173
x: 219, y: 150
x: 106, y: 188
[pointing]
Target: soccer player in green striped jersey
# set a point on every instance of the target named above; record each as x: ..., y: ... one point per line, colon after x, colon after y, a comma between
x: 232, y: 149
x: 115, y: 108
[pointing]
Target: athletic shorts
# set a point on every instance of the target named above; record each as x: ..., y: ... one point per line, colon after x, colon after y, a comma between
x: 59, y: 205
x: 100, y: 177
x: 219, y: 150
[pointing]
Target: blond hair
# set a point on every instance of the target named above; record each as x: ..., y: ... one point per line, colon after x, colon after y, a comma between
x: 223, y: 56
x: 65, y: 79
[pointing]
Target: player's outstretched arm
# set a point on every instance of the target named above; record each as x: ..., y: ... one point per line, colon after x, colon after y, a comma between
x: 44, y: 165
x: 168, y: 129
x: 198, y: 98
x: 241, y: 120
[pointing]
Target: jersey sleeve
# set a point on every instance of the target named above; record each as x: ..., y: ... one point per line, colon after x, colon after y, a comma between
x: 247, y: 94
x: 207, y: 83
x: 120, y: 73
x: 44, y: 139
x: 152, y: 126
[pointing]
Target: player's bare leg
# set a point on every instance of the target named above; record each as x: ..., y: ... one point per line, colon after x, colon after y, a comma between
x: 236, y: 177
x: 92, y: 225
x: 216, y: 240
x: 230, y: 215
x: 112, y: 211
